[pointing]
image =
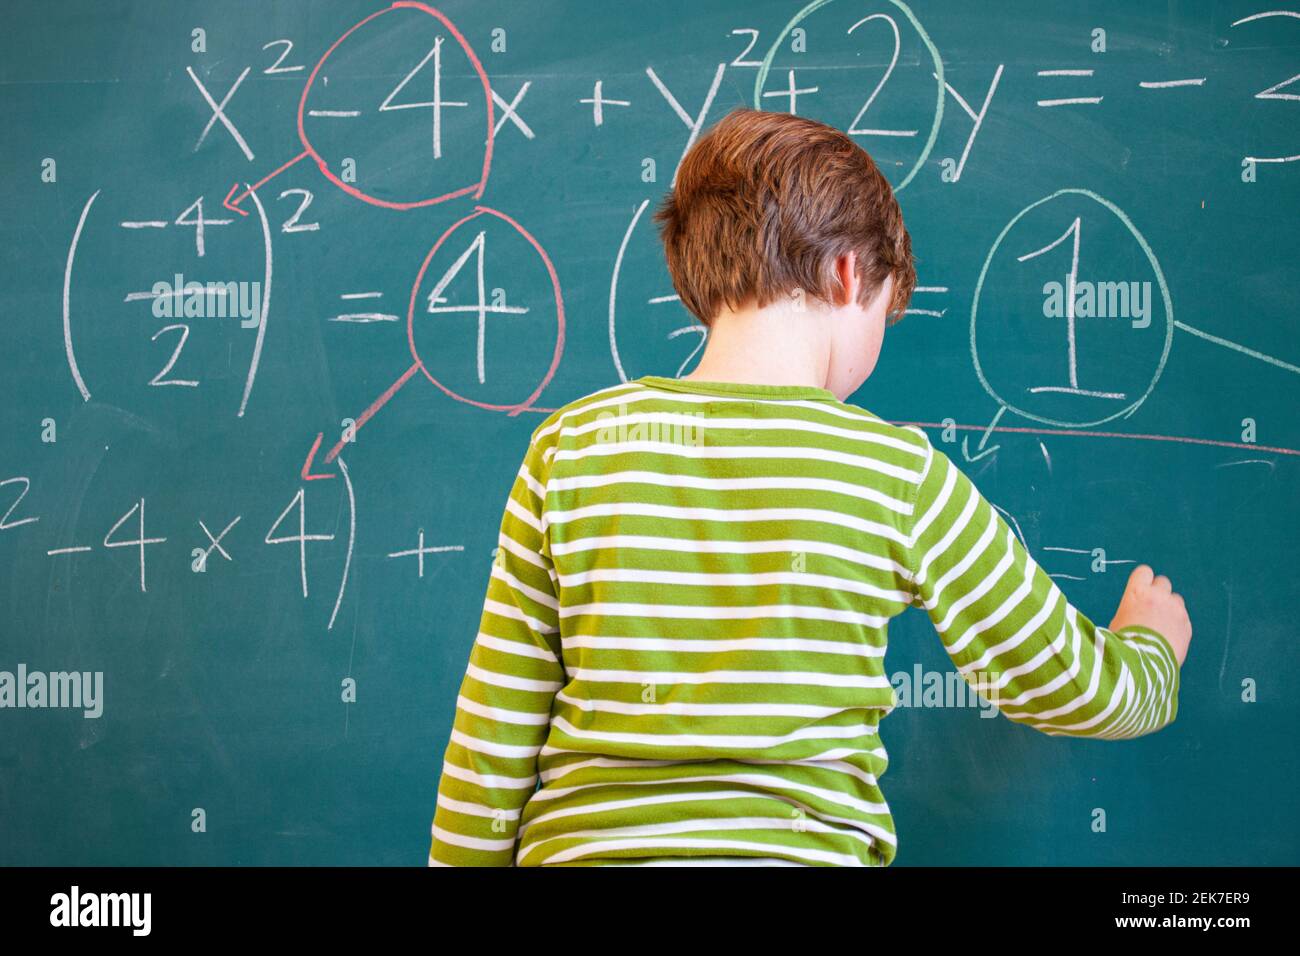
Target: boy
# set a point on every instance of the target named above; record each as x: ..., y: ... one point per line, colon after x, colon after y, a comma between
x: 684, y: 632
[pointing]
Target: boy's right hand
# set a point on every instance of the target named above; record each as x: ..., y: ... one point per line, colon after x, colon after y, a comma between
x: 1150, y: 601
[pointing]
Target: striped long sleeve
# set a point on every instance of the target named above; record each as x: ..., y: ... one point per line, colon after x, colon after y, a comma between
x: 1013, y: 635
x: 503, y: 709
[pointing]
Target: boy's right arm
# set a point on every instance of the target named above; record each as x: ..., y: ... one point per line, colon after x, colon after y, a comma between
x: 1012, y: 633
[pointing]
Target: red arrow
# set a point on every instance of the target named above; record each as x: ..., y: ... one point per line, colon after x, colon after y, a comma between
x: 233, y: 205
x: 311, y: 457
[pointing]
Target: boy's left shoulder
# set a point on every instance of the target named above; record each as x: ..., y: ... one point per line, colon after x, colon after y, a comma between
x: 547, y: 434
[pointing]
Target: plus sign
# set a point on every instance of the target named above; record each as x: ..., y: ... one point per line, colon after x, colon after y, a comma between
x: 419, y: 551
x: 598, y: 102
x: 791, y: 92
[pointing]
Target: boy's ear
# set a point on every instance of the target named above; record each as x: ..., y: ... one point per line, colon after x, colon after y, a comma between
x: 846, y: 270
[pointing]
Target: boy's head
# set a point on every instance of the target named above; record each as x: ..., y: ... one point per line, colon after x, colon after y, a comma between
x: 769, y: 207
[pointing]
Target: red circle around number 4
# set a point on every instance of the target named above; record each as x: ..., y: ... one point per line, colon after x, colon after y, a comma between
x: 559, y: 312
x: 475, y: 188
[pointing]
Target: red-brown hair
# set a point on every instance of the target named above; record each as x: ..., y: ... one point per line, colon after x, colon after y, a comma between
x: 762, y: 205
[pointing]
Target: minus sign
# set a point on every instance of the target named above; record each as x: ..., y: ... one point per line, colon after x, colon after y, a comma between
x: 1166, y: 84
x: 363, y: 317
x: 344, y: 113
x: 84, y: 547
x: 362, y: 295
x: 174, y: 294
x: 149, y: 224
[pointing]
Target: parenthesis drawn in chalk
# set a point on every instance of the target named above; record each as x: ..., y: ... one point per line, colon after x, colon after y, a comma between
x: 613, y: 288
x: 352, y: 538
x: 67, y: 293
x: 256, y: 357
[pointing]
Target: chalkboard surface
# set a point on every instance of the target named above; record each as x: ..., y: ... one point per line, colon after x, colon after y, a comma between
x: 257, y: 516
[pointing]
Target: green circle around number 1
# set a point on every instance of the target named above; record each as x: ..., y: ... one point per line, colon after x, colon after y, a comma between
x: 1160, y: 281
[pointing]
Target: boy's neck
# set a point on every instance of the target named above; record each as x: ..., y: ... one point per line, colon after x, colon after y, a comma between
x: 774, y: 345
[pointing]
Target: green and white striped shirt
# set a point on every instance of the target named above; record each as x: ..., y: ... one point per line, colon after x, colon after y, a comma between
x: 681, y: 652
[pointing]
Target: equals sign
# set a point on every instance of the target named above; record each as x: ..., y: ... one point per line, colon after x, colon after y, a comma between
x: 1073, y: 100
x: 937, y: 313
x: 362, y: 318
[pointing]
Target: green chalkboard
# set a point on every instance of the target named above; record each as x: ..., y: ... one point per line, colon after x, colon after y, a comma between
x: 261, y: 519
